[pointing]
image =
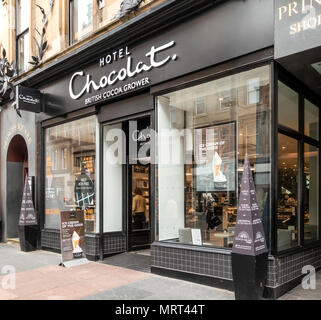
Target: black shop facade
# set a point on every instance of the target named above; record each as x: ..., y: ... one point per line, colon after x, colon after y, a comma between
x: 149, y: 138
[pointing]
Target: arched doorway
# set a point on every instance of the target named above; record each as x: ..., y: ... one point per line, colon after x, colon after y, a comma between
x: 17, y: 170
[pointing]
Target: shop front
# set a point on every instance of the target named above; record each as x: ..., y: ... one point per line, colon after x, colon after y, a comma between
x: 149, y: 138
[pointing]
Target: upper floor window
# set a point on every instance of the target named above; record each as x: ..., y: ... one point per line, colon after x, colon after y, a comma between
x: 81, y: 19
x: 22, y: 34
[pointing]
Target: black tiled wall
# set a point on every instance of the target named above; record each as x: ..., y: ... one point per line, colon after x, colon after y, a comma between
x: 50, y: 239
x: 217, y: 263
x: 114, y: 243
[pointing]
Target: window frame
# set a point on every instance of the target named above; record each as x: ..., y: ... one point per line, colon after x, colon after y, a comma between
x: 304, y: 94
x: 19, y: 35
x: 51, y: 124
x: 71, y: 40
x: 194, y: 81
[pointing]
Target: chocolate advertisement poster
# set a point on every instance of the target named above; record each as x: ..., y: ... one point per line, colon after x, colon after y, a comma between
x: 72, y: 227
x: 249, y: 234
x: 28, y: 215
x: 215, y: 158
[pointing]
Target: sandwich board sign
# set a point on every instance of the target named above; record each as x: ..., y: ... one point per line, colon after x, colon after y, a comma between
x: 28, y: 215
x: 72, y: 235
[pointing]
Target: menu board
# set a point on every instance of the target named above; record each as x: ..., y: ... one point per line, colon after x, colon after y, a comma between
x: 249, y: 235
x: 28, y: 215
x: 72, y: 233
x: 215, y: 158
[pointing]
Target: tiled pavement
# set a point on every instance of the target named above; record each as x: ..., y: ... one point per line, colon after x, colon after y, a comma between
x: 40, y: 277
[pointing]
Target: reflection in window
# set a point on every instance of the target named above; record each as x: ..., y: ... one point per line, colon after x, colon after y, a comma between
x: 287, y: 210
x: 70, y: 184
x: 82, y: 19
x: 311, y: 119
x: 201, y: 150
x: 288, y: 106
x: 311, y: 193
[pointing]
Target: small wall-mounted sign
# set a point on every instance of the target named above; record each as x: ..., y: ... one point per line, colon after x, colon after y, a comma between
x: 28, y: 99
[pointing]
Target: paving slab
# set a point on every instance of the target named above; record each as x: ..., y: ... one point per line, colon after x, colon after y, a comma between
x: 10, y: 254
x: 122, y: 277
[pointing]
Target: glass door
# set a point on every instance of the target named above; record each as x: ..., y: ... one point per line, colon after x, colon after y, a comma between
x: 138, y: 184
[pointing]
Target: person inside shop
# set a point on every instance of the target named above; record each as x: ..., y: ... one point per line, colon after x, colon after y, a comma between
x: 212, y: 220
x: 138, y: 210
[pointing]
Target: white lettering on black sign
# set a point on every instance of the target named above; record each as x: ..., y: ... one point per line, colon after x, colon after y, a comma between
x: 114, y: 76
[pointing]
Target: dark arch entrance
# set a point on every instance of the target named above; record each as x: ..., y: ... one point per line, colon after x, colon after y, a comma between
x: 17, y: 170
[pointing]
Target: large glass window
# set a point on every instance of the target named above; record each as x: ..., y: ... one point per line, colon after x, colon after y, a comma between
x: 81, y: 15
x: 71, y: 171
x: 311, y: 193
x: 114, y: 155
x: 204, y: 133
x: 288, y: 106
x: 298, y: 169
x: 22, y: 34
x: 287, y: 210
x: 311, y: 119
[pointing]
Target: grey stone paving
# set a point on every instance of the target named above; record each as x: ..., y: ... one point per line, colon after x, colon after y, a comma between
x: 10, y: 254
x: 299, y: 293
x: 161, y: 288
x: 152, y: 288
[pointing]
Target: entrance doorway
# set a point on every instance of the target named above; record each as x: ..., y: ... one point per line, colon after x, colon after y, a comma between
x: 126, y: 181
x: 17, y: 170
x: 138, y: 182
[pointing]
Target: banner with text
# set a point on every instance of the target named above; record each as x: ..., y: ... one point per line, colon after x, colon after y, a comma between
x: 72, y: 227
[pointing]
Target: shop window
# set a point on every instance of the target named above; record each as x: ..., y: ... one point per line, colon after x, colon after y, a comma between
x: 311, y: 120
x: 253, y: 95
x: 287, y: 210
x: 113, y: 177
x: 288, y: 107
x: 201, y: 151
x: 22, y: 34
x: 311, y: 193
x: 298, y: 169
x: 81, y: 19
x: 64, y: 182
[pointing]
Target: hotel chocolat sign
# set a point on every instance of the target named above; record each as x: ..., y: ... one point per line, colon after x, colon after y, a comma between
x: 28, y: 99
x: 114, y: 81
x: 28, y: 215
x: 297, y: 26
x: 249, y: 235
